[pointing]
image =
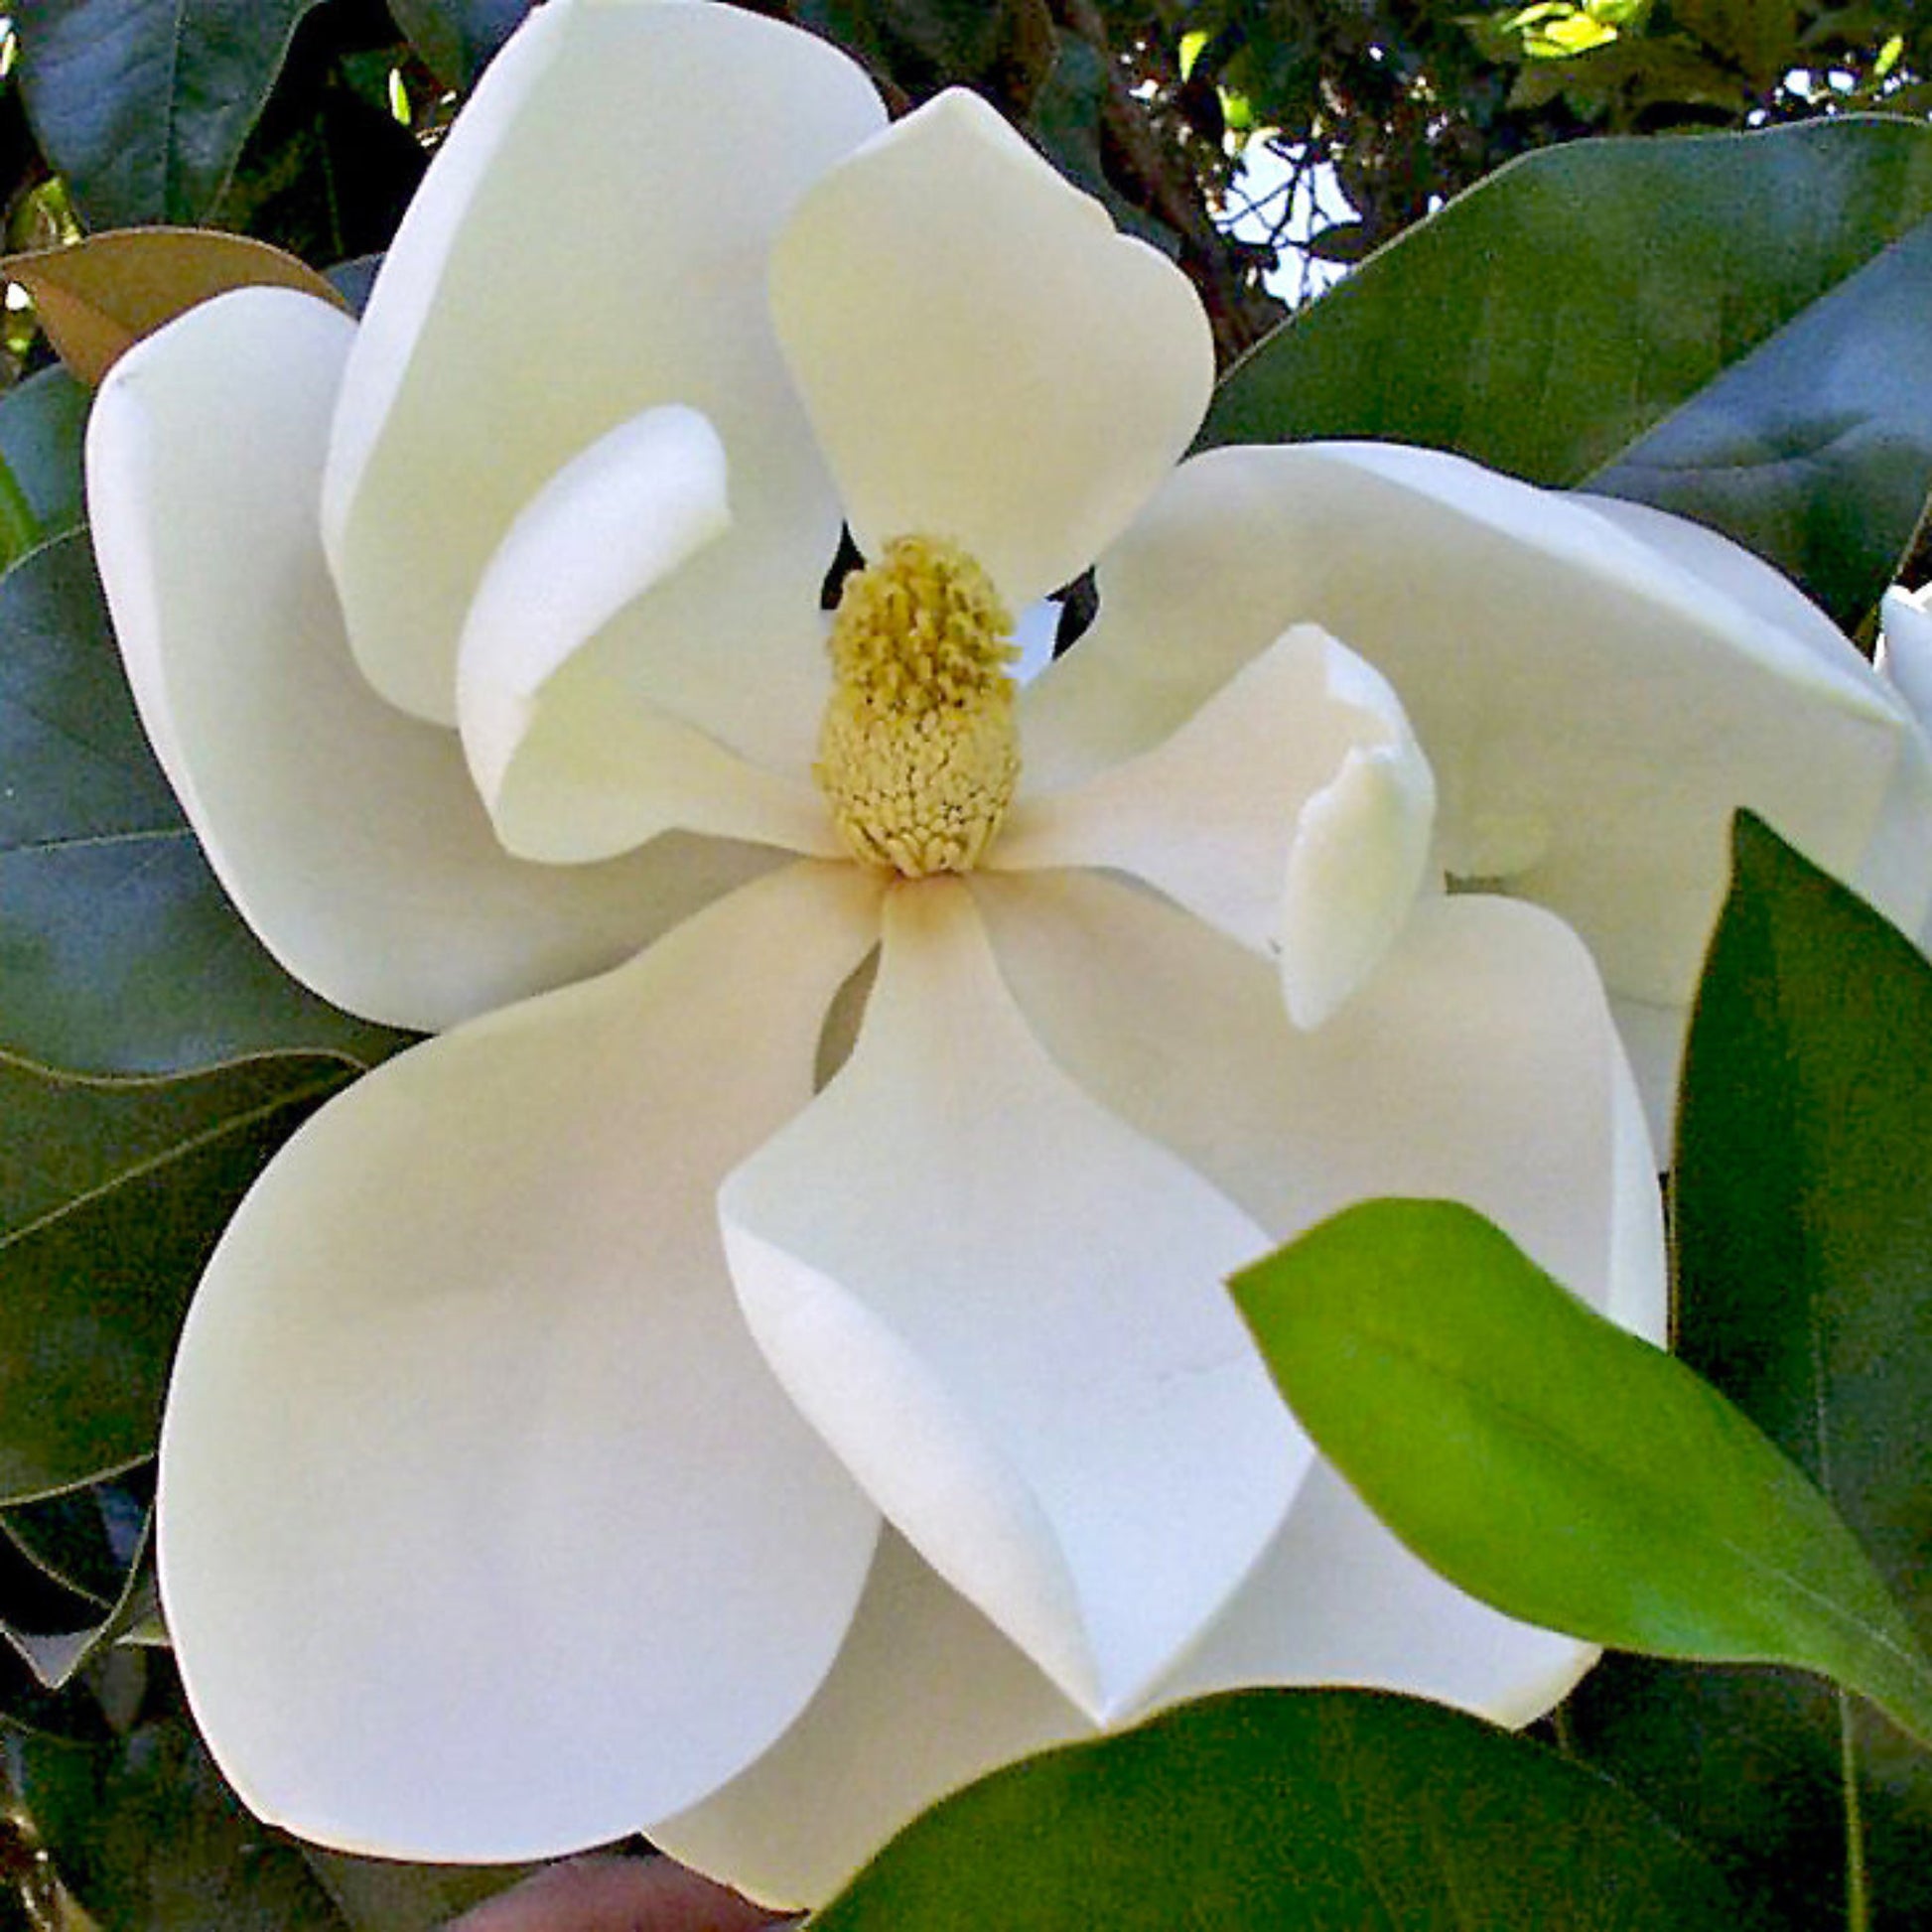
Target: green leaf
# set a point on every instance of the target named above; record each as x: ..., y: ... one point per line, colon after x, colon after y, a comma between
x: 144, y: 106
x: 119, y: 953
x: 1815, y: 449
x: 458, y: 38
x: 110, y: 1202
x: 381, y: 1895
x: 1329, y: 1810
x: 1557, y: 1467
x: 56, y: 1649
x: 1704, y: 292
x: 85, y: 1539
x: 148, y: 1838
x: 76, y: 1577
x: 43, y: 421
x: 1804, y: 1234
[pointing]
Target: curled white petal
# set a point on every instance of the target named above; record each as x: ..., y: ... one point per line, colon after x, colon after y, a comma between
x: 349, y: 835
x: 1292, y: 810
x: 1043, y: 1385
x: 565, y: 188
x: 574, y: 762
x: 1595, y: 702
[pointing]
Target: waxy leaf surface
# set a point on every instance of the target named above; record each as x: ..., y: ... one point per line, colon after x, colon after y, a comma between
x: 1557, y: 1467
x: 144, y: 105
x: 1329, y: 1810
x: 119, y: 953
x: 111, y: 1200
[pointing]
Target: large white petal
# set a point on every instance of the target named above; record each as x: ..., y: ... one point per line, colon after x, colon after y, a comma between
x: 574, y: 762
x: 484, y: 1529
x: 1293, y: 811
x: 926, y: 1697
x: 1479, y: 1065
x: 1011, y: 1324
x: 349, y: 836
x: 1894, y: 870
x: 1593, y: 708
x: 591, y: 241
x: 1337, y: 1600
x: 984, y: 357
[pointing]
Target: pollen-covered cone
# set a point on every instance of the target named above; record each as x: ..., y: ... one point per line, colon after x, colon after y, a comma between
x: 647, y: 1406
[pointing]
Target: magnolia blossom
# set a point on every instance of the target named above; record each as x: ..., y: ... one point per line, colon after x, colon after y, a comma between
x: 725, y: 1388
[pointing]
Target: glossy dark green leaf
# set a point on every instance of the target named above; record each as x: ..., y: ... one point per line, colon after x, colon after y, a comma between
x: 1804, y: 1225
x: 55, y: 1647
x: 144, y: 106
x: 42, y: 422
x: 1653, y: 313
x: 1310, y: 1811
x: 87, y: 1539
x: 111, y: 1200
x: 1559, y: 1467
x: 118, y: 951
x: 1816, y: 449
x: 149, y: 1839
x: 457, y: 38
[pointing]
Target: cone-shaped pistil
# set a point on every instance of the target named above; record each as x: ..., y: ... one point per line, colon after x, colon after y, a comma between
x: 919, y: 752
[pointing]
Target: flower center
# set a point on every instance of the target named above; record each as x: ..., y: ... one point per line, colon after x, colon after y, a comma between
x: 918, y: 751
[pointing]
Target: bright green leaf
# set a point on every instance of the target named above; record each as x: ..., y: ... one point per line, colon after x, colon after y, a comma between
x: 1298, y: 1811
x: 1589, y: 297
x: 118, y: 951
x: 144, y: 106
x: 1559, y: 1467
x: 111, y: 1200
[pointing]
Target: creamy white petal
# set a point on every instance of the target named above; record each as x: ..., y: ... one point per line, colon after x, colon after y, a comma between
x: 1894, y: 870
x: 926, y: 1697
x: 1594, y: 708
x: 573, y: 763
x: 1293, y: 811
x: 1004, y: 1309
x: 1479, y: 1064
x: 591, y: 241
x: 349, y: 835
x: 984, y: 357
x: 485, y: 1531
x: 1337, y: 1600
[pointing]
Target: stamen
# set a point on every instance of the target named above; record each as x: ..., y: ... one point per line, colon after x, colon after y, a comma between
x: 919, y: 752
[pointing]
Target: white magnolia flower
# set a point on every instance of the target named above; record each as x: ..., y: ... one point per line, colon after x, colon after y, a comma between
x: 593, y: 1420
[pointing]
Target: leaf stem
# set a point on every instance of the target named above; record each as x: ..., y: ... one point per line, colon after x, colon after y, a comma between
x: 1857, y: 1899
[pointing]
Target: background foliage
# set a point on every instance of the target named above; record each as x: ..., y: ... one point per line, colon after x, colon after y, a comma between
x: 1269, y: 146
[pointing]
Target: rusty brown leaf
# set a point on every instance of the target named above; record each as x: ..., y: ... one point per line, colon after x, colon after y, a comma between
x: 98, y: 297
